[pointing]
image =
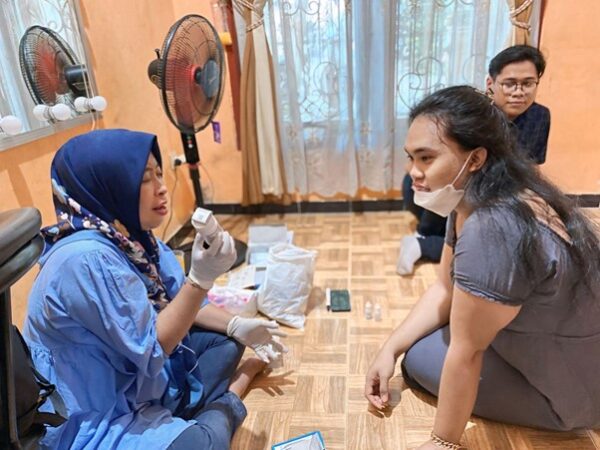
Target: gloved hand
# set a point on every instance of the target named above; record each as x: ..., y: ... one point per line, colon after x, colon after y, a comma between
x: 208, y: 264
x: 271, y: 353
x: 258, y: 334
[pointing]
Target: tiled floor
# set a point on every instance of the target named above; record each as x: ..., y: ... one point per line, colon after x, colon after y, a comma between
x: 321, y: 383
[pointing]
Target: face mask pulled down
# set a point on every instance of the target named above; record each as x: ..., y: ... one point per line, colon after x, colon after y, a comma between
x: 442, y: 201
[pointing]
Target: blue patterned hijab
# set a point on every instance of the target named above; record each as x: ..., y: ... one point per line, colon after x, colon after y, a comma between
x: 96, y: 179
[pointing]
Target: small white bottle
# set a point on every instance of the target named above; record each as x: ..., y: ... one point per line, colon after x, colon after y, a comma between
x: 206, y: 225
x: 368, y: 310
x: 377, y: 312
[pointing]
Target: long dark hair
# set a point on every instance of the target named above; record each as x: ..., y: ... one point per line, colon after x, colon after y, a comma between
x: 468, y: 117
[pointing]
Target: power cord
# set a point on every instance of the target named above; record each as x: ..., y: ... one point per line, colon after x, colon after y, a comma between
x: 210, y: 182
x: 171, y: 201
x: 176, y: 164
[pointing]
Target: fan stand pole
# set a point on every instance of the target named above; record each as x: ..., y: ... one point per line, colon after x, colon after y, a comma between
x: 192, y: 158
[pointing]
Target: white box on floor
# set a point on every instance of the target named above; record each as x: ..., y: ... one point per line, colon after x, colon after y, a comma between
x: 261, y: 238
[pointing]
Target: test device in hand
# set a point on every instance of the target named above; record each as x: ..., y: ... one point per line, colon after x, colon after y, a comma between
x: 205, y: 223
x: 337, y: 299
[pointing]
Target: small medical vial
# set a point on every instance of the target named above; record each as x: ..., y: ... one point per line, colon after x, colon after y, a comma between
x: 368, y: 310
x: 205, y: 223
x: 377, y: 312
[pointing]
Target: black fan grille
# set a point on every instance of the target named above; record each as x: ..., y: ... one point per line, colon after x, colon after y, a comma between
x: 192, y: 46
x: 43, y: 57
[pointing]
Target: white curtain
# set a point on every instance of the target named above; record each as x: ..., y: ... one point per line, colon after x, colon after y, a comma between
x: 262, y: 165
x: 347, y: 72
x: 266, y: 125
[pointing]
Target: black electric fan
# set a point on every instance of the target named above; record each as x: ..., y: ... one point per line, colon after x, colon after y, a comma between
x: 189, y: 71
x: 50, y: 68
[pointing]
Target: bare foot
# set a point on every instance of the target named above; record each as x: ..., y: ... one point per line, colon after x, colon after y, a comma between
x: 245, y: 373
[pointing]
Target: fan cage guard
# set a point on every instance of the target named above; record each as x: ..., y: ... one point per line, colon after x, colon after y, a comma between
x: 27, y: 52
x: 169, y: 81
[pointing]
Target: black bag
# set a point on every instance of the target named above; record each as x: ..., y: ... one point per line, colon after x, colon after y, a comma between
x: 31, y: 391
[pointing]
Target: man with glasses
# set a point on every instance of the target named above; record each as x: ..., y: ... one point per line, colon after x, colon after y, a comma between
x: 513, y: 77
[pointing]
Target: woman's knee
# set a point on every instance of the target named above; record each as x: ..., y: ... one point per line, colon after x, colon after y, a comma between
x: 203, y: 340
x: 200, y: 436
x: 232, y: 349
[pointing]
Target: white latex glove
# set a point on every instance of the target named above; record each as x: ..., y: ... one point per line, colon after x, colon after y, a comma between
x: 208, y: 264
x: 253, y: 332
x: 271, y: 353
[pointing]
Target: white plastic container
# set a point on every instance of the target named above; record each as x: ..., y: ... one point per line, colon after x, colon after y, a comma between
x: 368, y: 310
x: 377, y: 312
x: 206, y: 225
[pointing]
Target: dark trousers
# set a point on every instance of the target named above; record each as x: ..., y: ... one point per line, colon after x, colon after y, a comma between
x: 431, y: 226
x: 221, y: 411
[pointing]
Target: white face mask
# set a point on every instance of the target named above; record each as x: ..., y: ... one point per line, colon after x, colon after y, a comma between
x: 444, y: 200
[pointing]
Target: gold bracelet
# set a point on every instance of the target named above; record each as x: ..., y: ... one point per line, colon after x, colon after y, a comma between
x: 442, y: 443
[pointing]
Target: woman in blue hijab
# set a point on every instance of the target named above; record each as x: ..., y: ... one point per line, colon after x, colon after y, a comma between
x: 113, y: 321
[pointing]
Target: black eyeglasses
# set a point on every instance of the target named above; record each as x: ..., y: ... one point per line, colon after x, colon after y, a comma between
x: 527, y: 86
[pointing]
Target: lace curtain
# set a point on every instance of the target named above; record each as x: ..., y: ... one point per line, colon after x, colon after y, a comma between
x: 347, y: 72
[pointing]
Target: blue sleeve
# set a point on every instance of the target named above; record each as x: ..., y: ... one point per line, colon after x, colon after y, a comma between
x: 101, y: 292
x: 484, y: 259
x: 171, y: 272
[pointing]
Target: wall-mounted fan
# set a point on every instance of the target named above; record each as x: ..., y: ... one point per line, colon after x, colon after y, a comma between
x: 189, y: 71
x: 54, y: 76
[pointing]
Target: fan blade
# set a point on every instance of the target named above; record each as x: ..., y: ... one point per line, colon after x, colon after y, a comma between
x: 181, y: 90
x: 49, y: 72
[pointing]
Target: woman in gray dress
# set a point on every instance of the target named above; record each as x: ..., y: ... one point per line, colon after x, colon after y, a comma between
x: 510, y: 331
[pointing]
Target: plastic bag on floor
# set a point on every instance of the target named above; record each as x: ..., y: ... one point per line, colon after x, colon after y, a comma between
x: 287, y: 285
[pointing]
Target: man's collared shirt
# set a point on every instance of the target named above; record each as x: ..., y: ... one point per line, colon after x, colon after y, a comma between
x: 533, y: 127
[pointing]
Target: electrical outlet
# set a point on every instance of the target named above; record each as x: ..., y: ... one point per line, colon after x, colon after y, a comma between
x: 177, y: 160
